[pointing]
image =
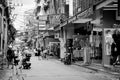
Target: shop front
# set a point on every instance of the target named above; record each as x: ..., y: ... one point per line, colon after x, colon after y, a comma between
x: 81, y: 43
x: 104, y: 18
x: 112, y: 47
x: 54, y: 48
x: 96, y: 45
x: 110, y: 23
x: 76, y: 29
x: 81, y: 37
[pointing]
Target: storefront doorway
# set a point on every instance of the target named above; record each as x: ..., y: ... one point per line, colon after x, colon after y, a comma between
x: 96, y: 47
x: 81, y: 44
x: 54, y: 49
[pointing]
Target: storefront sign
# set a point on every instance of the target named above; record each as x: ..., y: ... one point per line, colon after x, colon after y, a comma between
x: 118, y: 7
x: 43, y: 18
x: 57, y: 35
x: 86, y: 13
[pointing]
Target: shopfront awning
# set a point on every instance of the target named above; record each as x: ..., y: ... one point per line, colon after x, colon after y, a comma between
x: 82, y: 20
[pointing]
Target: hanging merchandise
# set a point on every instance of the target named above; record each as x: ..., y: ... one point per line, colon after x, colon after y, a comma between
x: 108, y: 42
x: 91, y: 39
x: 108, y: 49
x: 76, y: 43
x: 97, y: 40
x: 79, y: 41
x: 96, y: 51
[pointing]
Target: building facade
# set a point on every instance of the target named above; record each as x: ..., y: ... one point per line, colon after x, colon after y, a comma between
x: 87, y: 30
x: 89, y: 24
x: 7, y: 31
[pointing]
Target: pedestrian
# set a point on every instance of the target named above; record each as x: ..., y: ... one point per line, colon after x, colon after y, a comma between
x: 45, y: 52
x: 16, y: 57
x: 35, y: 52
x: 10, y: 57
x: 20, y: 57
x: 42, y: 53
x: 39, y: 53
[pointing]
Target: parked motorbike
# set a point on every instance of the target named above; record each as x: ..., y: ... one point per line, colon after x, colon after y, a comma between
x: 67, y: 59
x: 26, y: 61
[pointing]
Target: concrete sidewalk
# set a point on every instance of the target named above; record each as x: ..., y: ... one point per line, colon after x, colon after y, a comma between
x: 95, y: 67
x: 5, y: 74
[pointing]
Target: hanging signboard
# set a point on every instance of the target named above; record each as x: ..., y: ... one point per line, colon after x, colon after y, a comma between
x: 57, y: 36
x: 54, y: 20
x: 43, y: 18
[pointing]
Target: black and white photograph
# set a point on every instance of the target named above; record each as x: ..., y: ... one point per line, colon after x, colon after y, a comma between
x: 59, y: 39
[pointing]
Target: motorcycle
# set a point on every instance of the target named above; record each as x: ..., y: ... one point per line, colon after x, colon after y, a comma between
x: 67, y: 59
x: 26, y: 61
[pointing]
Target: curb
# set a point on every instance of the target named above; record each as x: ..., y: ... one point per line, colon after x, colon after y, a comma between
x: 99, y: 70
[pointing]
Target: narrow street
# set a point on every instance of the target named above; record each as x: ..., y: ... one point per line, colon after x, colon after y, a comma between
x: 52, y: 69
x: 85, y: 32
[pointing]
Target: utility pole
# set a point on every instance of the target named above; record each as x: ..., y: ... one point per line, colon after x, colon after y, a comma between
x: 37, y: 43
x: 5, y: 40
x: 2, y: 25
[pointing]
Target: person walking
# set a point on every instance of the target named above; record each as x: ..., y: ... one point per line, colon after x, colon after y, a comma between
x: 10, y: 57
x: 39, y: 53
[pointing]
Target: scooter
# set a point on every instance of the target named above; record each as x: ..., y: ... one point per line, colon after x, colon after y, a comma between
x: 26, y: 62
x: 67, y: 59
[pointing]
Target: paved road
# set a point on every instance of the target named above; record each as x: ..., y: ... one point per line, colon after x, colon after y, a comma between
x: 55, y: 70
